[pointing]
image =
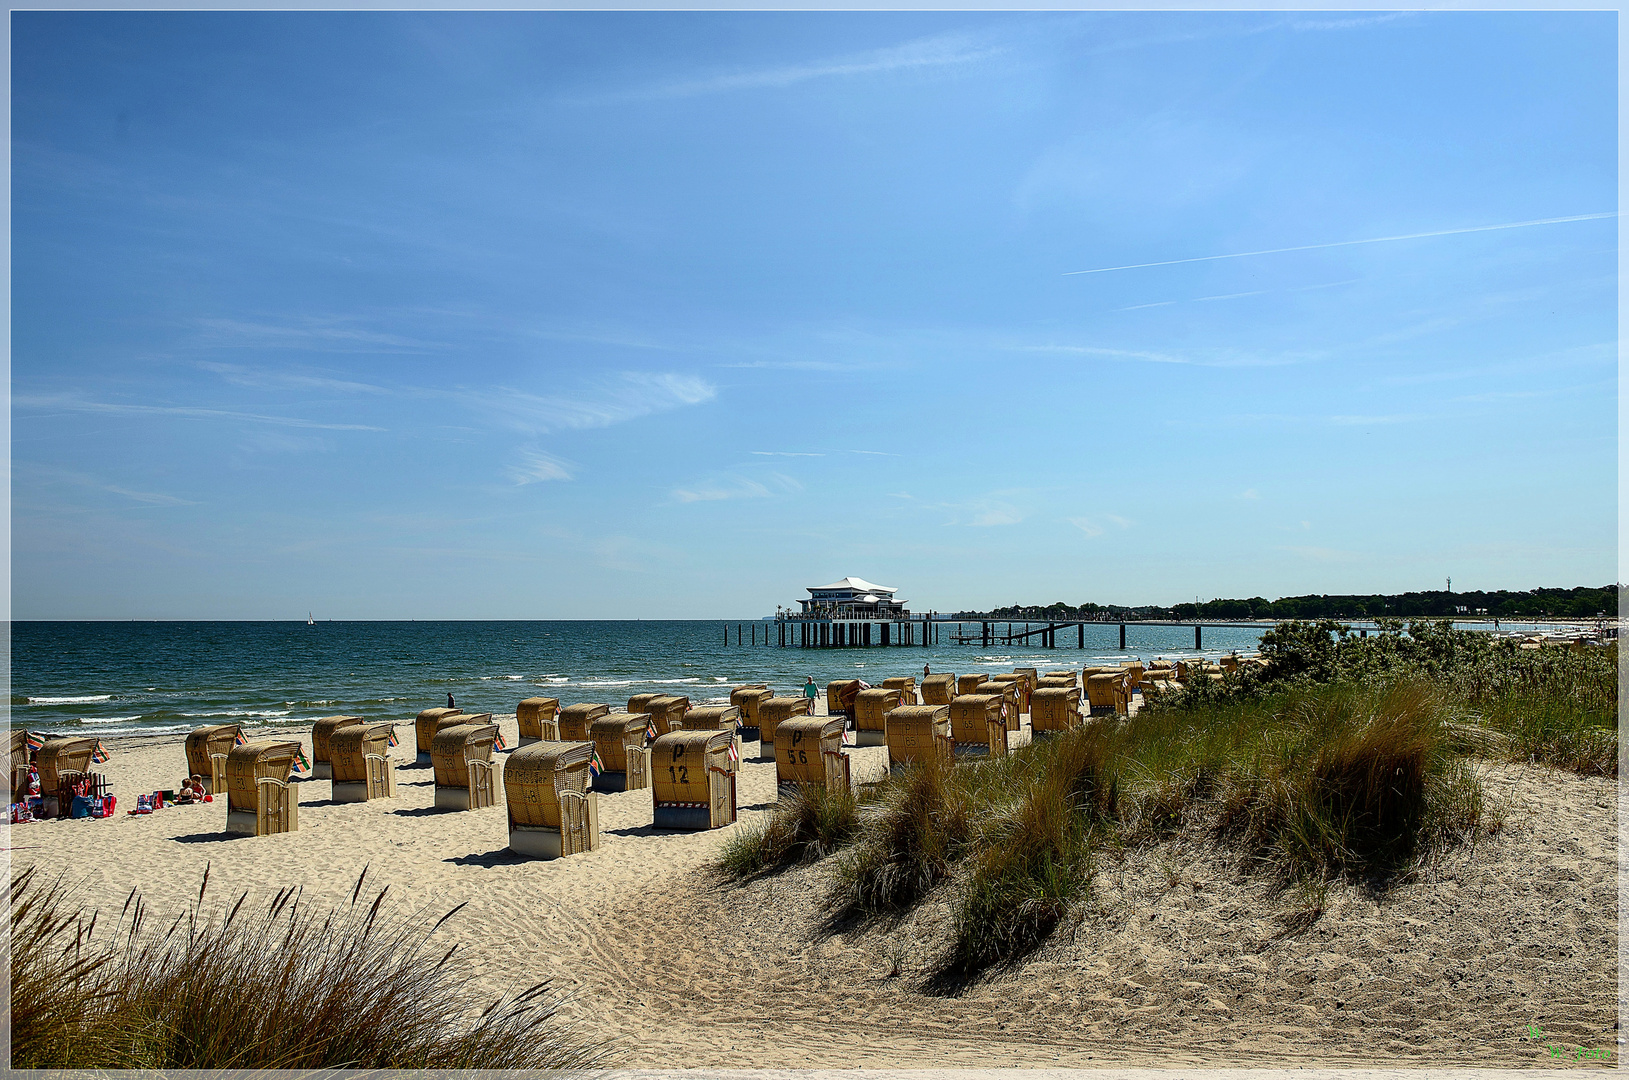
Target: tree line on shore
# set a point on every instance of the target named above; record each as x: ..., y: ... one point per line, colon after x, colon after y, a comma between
x: 1580, y: 602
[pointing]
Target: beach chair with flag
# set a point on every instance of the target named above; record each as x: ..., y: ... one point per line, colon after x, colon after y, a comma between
x: 693, y: 779
x: 260, y: 801
x: 360, y: 757
x: 321, y: 731
x: 204, y: 745
x: 552, y: 811
x: 618, y: 760
x: 466, y: 776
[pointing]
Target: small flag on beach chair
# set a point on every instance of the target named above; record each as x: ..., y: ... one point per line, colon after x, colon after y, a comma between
x: 99, y: 755
x: 650, y: 730
x: 35, y: 740
x: 497, y: 741
x: 594, y: 765
x: 392, y: 739
x: 240, y: 738
x: 300, y: 761
x: 735, y: 752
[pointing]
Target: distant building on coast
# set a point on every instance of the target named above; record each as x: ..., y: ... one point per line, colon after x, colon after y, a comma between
x: 853, y: 598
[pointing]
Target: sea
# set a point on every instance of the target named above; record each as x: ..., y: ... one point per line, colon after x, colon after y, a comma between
x: 109, y: 679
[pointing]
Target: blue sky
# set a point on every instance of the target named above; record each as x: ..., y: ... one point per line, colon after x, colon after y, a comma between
x: 551, y: 315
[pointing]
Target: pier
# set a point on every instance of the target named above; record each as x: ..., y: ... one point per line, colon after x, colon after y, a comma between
x: 856, y: 614
x: 800, y: 631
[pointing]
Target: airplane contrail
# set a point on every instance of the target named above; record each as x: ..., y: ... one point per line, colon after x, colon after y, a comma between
x: 1349, y: 243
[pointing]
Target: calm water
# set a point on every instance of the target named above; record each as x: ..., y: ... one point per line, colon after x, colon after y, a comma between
x: 104, y: 678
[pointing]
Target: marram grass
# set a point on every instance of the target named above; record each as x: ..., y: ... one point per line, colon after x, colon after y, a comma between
x: 283, y: 986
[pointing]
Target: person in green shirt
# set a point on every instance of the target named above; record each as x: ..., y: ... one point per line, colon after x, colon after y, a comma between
x: 811, y: 692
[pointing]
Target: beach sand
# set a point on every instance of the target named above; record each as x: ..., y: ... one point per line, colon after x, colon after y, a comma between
x: 1178, y: 960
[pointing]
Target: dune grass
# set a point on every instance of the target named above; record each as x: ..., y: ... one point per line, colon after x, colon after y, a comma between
x: 808, y: 823
x: 284, y: 986
x: 1308, y: 784
x: 1343, y: 757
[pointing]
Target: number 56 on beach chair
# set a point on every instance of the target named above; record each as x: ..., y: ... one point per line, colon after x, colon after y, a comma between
x: 809, y: 750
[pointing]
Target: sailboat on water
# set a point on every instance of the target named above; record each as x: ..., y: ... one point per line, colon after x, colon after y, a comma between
x: 309, y: 621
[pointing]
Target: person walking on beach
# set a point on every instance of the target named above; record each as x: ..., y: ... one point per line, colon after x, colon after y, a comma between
x: 925, y: 671
x: 811, y: 692
x: 450, y: 704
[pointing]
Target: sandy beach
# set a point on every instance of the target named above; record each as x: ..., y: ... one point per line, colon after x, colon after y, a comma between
x: 1177, y: 959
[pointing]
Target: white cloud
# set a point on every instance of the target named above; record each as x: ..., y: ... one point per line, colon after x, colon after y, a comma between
x: 1349, y: 24
x: 1109, y: 354
x: 996, y: 513
x: 319, y: 335
x: 68, y: 403
x: 733, y: 486
x: 535, y: 466
x: 628, y: 396
x: 52, y: 474
x: 1249, y: 493
x: 1092, y: 528
x: 279, y: 380
x: 947, y: 50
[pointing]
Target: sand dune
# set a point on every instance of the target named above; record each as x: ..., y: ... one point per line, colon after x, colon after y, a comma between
x: 1178, y: 960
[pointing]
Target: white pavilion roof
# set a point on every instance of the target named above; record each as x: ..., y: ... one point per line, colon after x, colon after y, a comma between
x: 858, y: 585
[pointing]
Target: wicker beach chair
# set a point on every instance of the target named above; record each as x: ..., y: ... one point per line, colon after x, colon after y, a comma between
x: 619, y: 739
x: 871, y: 709
x: 968, y: 684
x: 712, y: 718
x: 466, y: 775
x: 259, y: 799
x: 637, y: 703
x: 748, y: 699
x: 424, y: 730
x: 977, y: 720
x: 774, y: 712
x: 906, y: 685
x: 321, y: 731
x: 809, y: 750
x: 840, y: 696
x: 1055, y: 708
x: 1009, y: 691
x: 1022, y: 681
x: 204, y: 744
x: 536, y: 719
x: 1103, y: 691
x: 938, y: 689
x: 19, y: 764
x: 693, y: 779
x: 920, y: 733
x: 574, y: 720
x: 667, y: 712
x: 361, y: 765
x: 552, y: 812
